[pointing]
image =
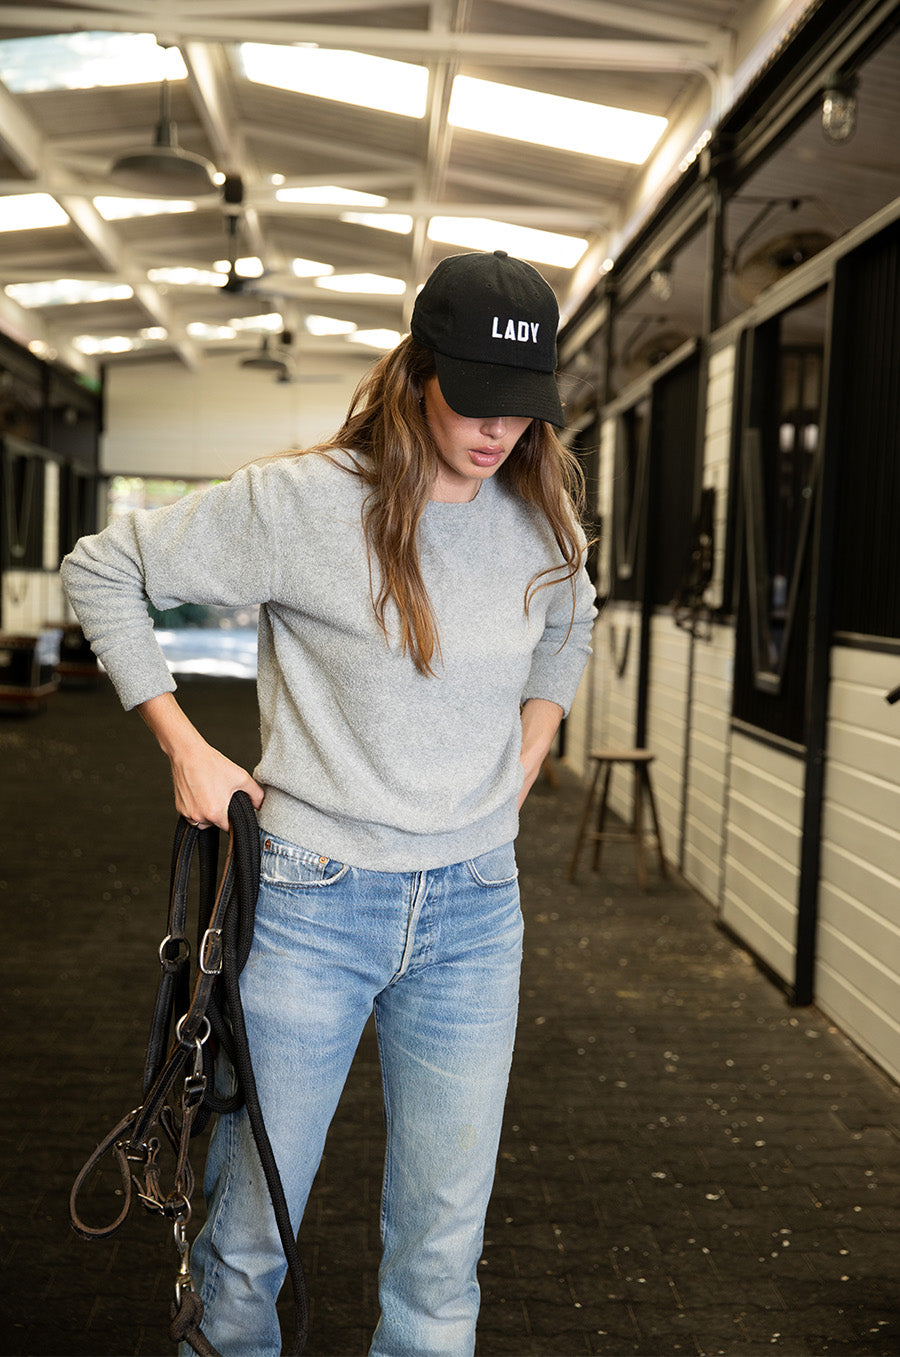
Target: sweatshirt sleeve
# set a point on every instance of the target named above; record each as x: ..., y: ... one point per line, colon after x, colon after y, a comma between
x: 216, y: 547
x: 562, y: 652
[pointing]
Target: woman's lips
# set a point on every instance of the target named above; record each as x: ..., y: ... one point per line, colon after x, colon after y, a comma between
x: 486, y: 456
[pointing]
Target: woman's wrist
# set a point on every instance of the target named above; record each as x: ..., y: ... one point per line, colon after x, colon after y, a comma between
x: 175, y: 733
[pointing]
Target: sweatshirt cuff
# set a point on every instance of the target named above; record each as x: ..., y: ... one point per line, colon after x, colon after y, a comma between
x: 137, y: 676
x: 547, y: 682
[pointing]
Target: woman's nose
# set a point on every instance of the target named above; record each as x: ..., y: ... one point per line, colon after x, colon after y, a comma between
x: 495, y: 426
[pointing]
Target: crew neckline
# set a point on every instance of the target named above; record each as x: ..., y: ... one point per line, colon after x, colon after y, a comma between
x: 460, y: 503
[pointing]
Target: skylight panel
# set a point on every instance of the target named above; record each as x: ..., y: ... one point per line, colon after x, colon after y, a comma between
x: 375, y: 284
x: 310, y: 268
x: 398, y: 222
x: 331, y: 195
x: 92, y: 346
x: 182, y: 275
x: 121, y: 209
x: 66, y: 292
x: 248, y: 266
x: 78, y: 61
x: 322, y: 326
x: 524, y: 242
x: 199, y: 329
x: 346, y: 77
x: 551, y: 120
x: 27, y: 211
x: 376, y: 339
x: 269, y: 322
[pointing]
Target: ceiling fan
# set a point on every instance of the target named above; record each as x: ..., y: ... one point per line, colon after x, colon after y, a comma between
x: 271, y: 282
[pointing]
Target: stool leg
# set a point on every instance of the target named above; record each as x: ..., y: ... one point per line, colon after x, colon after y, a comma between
x: 601, y: 816
x: 638, y: 825
x: 586, y: 815
x: 652, y: 799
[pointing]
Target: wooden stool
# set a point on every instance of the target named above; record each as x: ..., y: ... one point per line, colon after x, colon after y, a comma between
x: 604, y: 761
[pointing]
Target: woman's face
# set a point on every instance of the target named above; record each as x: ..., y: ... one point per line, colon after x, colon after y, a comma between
x: 470, y: 450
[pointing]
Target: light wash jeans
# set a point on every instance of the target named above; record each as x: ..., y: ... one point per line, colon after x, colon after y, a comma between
x: 437, y: 954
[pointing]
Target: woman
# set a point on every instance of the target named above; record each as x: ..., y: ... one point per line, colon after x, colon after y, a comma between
x: 424, y: 623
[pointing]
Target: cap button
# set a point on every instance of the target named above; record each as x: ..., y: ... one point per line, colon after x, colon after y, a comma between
x: 501, y: 254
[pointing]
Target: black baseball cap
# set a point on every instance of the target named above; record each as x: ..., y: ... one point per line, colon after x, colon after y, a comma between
x: 491, y: 322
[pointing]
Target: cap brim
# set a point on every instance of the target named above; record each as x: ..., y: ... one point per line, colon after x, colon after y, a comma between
x: 480, y: 390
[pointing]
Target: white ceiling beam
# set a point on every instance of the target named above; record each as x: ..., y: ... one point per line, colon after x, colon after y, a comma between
x: 20, y: 324
x: 105, y: 244
x: 207, y: 79
x: 207, y: 69
x: 532, y: 214
x: 499, y: 49
x: 292, y: 9
x: 28, y: 329
x: 438, y: 141
x: 20, y: 138
x: 629, y: 18
x: 26, y: 147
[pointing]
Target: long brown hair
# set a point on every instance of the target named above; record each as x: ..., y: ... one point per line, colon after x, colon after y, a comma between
x: 387, y: 434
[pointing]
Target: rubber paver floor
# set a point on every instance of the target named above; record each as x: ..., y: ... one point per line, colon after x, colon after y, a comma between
x: 688, y: 1165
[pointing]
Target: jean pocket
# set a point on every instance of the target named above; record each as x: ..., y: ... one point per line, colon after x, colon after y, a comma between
x: 497, y: 867
x: 291, y: 867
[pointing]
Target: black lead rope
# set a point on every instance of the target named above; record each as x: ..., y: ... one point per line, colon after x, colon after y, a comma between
x: 179, y: 1063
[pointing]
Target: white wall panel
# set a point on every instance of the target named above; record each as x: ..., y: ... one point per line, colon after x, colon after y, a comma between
x: 707, y: 768
x: 875, y: 1031
x: 168, y: 421
x: 667, y: 702
x: 857, y: 975
x: 762, y: 855
x: 616, y: 638
x: 578, y: 725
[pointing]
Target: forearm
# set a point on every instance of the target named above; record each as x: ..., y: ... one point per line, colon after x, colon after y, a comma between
x: 540, y: 722
x: 175, y: 732
x: 204, y: 780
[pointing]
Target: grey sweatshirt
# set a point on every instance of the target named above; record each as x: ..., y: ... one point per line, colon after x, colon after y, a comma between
x: 364, y: 759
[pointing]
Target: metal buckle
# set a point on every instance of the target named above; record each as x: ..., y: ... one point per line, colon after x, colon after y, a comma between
x: 211, y: 952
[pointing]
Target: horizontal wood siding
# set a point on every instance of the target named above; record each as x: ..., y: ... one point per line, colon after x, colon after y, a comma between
x: 762, y: 853
x: 857, y: 973
x: 707, y: 765
x: 667, y: 725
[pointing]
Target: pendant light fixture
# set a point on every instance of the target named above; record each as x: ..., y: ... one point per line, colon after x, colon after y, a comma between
x: 163, y: 168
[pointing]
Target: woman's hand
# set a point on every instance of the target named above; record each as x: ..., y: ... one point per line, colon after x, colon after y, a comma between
x: 540, y: 722
x: 204, y: 779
